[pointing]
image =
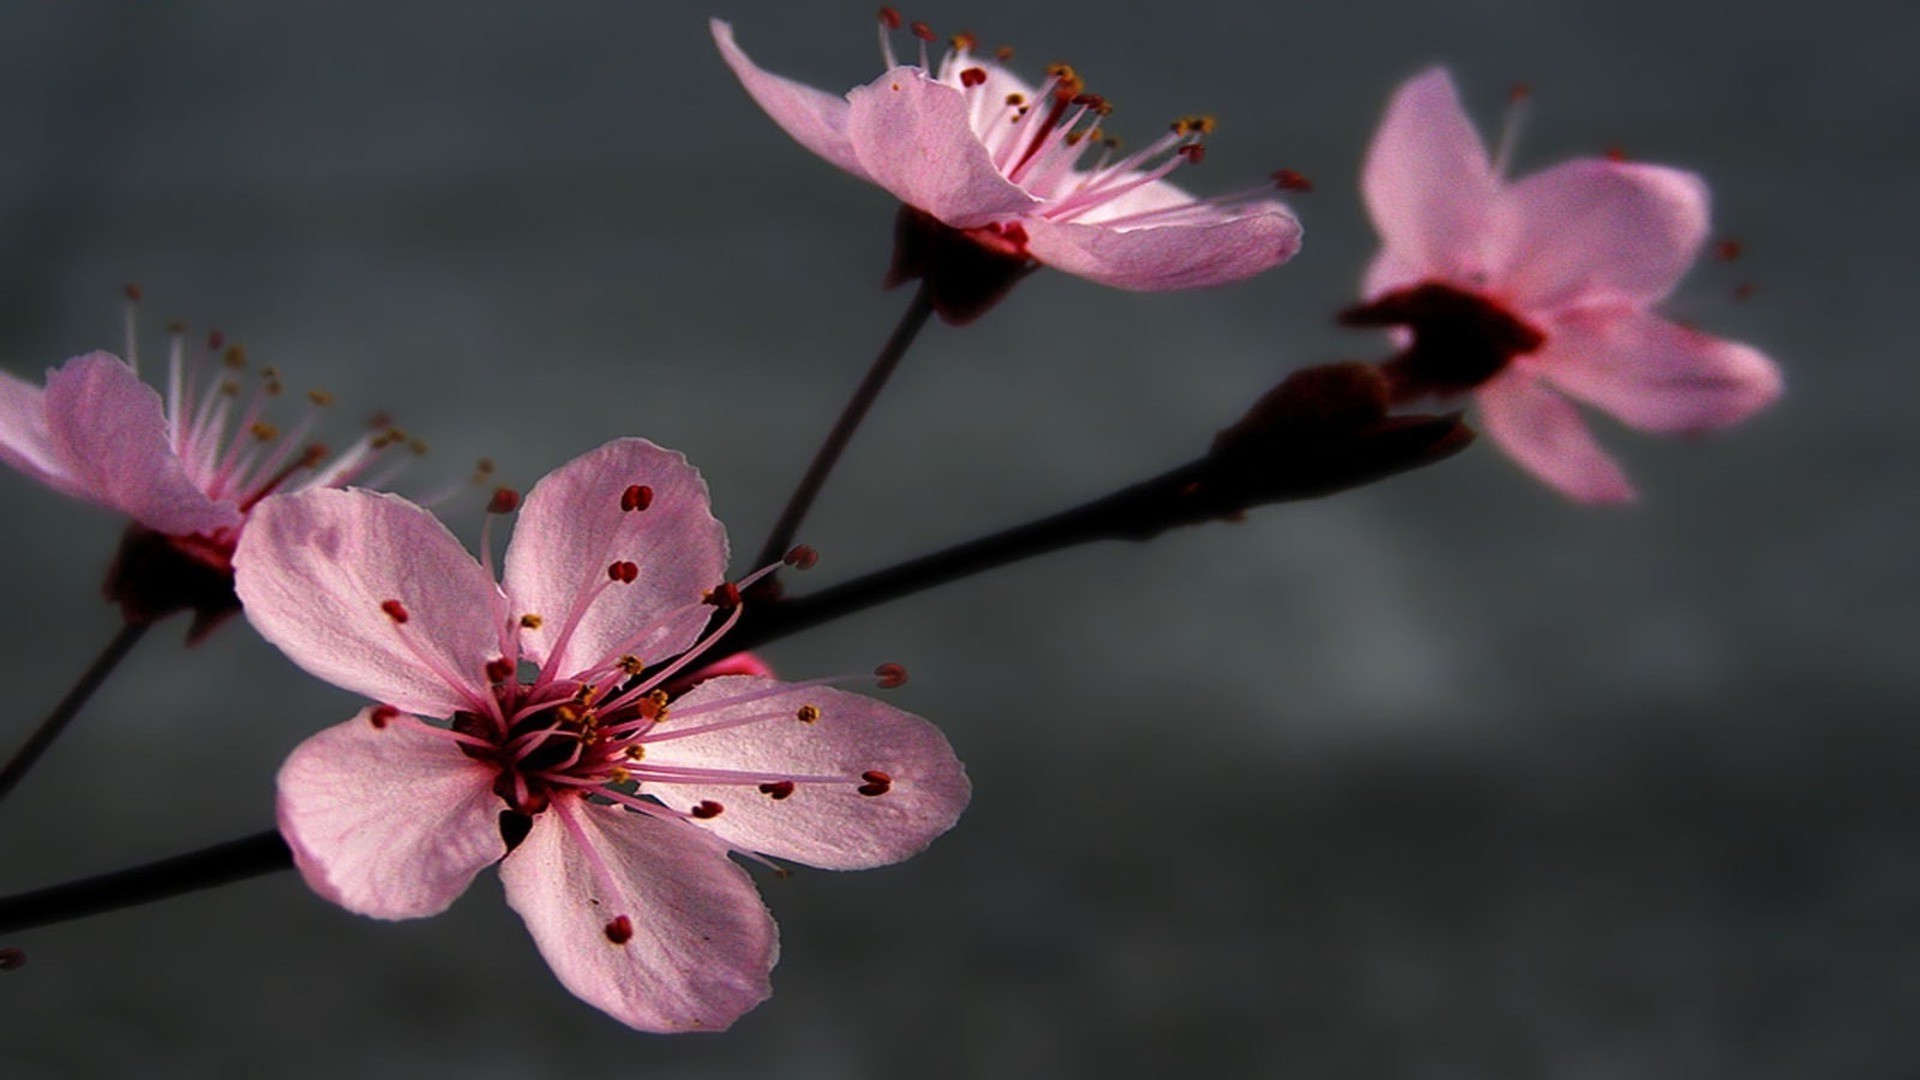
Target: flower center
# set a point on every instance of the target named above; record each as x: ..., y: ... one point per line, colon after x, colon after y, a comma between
x: 1461, y: 339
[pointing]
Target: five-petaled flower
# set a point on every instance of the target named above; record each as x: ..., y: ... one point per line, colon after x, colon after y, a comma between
x: 1526, y: 291
x: 610, y: 807
x: 977, y: 149
x: 187, y: 469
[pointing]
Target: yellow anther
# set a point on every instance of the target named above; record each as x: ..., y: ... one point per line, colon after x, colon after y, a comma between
x: 632, y: 665
x: 530, y: 621
x: 230, y: 388
x: 484, y: 465
x: 636, y: 752
x: 1003, y: 54
x: 1066, y: 80
x: 320, y: 397
x: 418, y: 446
x: 808, y: 714
x: 619, y: 775
x: 269, y: 372
x: 264, y: 431
x: 235, y: 357
x: 569, y: 713
x: 1194, y: 125
x: 1016, y: 98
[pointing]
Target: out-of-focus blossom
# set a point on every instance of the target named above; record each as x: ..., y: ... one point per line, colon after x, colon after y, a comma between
x: 610, y: 806
x: 1535, y: 291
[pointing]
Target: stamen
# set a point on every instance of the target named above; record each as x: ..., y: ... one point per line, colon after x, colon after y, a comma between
x: 623, y: 571
x: 1517, y: 98
x: 530, y: 621
x: 889, y: 18
x: 1003, y: 53
x: 382, y: 715
x: 620, y: 930
x: 777, y: 790
x: 504, y: 501
x: 890, y: 676
x: 1289, y: 180
x: 877, y: 783
x: 808, y: 714
x: 921, y: 30
x: 499, y: 670
x: 396, y: 611
x: 637, y: 497
x: 706, y: 809
x: 1729, y: 249
x: 802, y: 557
x: 724, y: 597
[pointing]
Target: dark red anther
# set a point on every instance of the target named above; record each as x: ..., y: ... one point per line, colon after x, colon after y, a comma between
x: 1289, y: 180
x: 382, y: 715
x: 777, y: 790
x: 973, y: 77
x: 636, y: 497
x: 1519, y: 92
x: 396, y: 611
x: 12, y: 959
x: 725, y: 596
x: 890, y: 676
x: 1195, y: 153
x: 705, y: 809
x: 921, y: 30
x: 505, y: 501
x: 499, y: 670
x: 620, y: 930
x: 623, y: 571
x: 889, y: 18
x: 1744, y: 290
x: 132, y: 291
x: 1729, y: 250
x: 216, y: 340
x: 1615, y: 153
x: 802, y: 557
x: 877, y: 783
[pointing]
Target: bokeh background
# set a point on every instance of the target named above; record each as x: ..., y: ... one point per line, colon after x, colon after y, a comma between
x: 1444, y: 778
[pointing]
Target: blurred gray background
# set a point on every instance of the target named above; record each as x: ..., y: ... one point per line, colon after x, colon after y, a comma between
x: 1445, y: 778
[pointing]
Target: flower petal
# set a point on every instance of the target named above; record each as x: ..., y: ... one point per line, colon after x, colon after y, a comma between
x: 1592, y: 231
x: 1544, y: 433
x: 1428, y: 183
x: 912, y: 136
x: 315, y: 571
x: 697, y: 944
x: 1656, y: 375
x: 25, y: 443
x: 1209, y: 247
x: 816, y: 120
x: 111, y: 430
x: 389, y: 821
x: 828, y: 825
x: 574, y: 524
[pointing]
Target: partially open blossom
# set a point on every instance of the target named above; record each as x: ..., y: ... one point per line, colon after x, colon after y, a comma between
x: 187, y: 468
x: 556, y: 749
x: 1028, y: 173
x: 1530, y: 292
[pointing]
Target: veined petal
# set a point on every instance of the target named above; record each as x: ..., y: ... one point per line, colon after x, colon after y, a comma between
x: 574, y: 524
x: 317, y: 571
x: 1656, y: 375
x: 389, y: 821
x: 25, y: 443
x: 1427, y: 181
x: 1593, y: 231
x: 111, y: 432
x: 1193, y: 253
x: 829, y: 825
x: 913, y: 136
x: 816, y: 120
x: 1544, y: 433
x: 696, y: 945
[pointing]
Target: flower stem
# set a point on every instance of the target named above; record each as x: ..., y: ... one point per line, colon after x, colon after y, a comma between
x: 235, y: 860
x: 911, y: 321
x: 57, y: 720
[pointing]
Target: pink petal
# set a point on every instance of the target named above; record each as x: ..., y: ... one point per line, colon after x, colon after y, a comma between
x: 392, y: 821
x: 1594, y: 232
x: 1428, y: 183
x: 25, y: 443
x: 1191, y: 254
x: 829, y: 825
x: 1655, y: 375
x: 111, y: 430
x: 316, y: 569
x: 1542, y: 431
x: 702, y: 944
x: 816, y: 120
x: 912, y: 135
x: 573, y: 526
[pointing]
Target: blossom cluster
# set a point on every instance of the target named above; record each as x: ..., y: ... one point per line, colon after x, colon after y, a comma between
x: 578, y: 721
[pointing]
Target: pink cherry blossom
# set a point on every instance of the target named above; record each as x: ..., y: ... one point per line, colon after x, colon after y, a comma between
x: 981, y: 150
x: 186, y: 468
x: 610, y: 807
x: 1542, y: 289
